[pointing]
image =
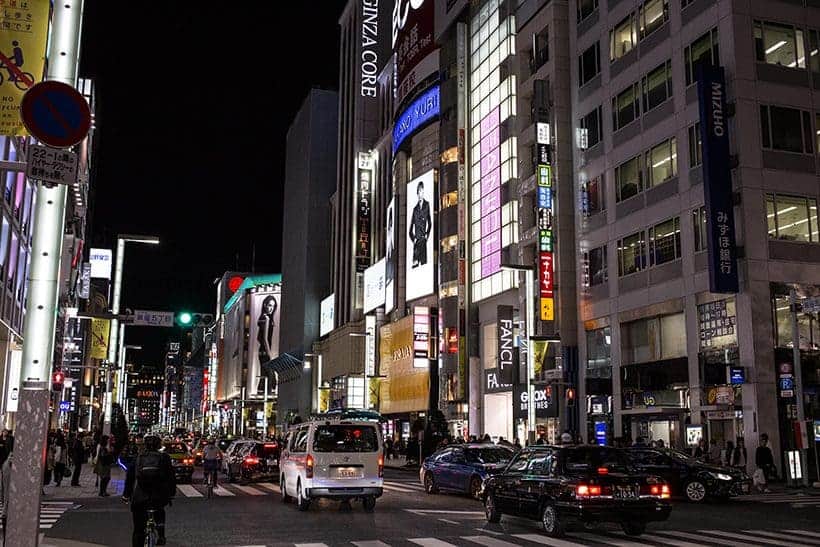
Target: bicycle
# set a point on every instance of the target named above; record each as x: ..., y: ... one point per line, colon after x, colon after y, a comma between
x: 151, y: 532
x: 210, y: 481
x: 19, y: 83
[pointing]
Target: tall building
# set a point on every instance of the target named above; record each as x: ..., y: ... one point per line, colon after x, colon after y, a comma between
x: 310, y: 169
x: 670, y: 349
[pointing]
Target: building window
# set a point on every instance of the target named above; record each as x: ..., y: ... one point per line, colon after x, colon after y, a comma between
x: 653, y: 14
x: 664, y: 242
x: 589, y: 63
x: 632, y: 254
x: 625, y: 107
x: 628, y: 181
x: 778, y: 44
x: 792, y: 218
x: 808, y: 326
x: 695, y: 157
x: 685, y: 3
x: 599, y: 348
x: 541, y: 52
x: 703, y: 50
x: 589, y: 129
x: 699, y: 227
x: 786, y: 129
x: 596, y: 258
x: 653, y: 339
x: 623, y: 38
x: 594, y: 202
x: 657, y: 86
x: 814, y: 51
x: 662, y: 162
x: 586, y: 8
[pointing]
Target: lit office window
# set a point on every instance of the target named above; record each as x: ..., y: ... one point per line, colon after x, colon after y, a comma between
x: 778, y: 44
x: 628, y: 179
x: 654, y: 13
x: 632, y: 254
x: 792, y: 218
x: 703, y: 50
x: 626, y: 107
x: 657, y: 86
x: 664, y: 242
x: 623, y: 38
x: 662, y: 162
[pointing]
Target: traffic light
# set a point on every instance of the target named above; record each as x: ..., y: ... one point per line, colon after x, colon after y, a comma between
x: 187, y: 319
x: 570, y: 396
x: 57, y: 380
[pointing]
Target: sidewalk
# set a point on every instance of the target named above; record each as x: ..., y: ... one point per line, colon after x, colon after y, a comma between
x: 87, y: 488
x: 400, y: 462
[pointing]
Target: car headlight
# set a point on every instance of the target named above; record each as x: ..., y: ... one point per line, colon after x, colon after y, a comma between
x: 720, y: 476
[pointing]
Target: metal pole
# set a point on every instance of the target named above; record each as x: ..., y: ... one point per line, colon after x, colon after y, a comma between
x: 265, y: 412
x: 123, y: 375
x: 798, y: 383
x: 530, y: 309
x: 242, y: 414
x: 91, y: 408
x: 41, y: 308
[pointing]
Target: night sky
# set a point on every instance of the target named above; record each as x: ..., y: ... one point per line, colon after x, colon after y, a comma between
x: 193, y: 104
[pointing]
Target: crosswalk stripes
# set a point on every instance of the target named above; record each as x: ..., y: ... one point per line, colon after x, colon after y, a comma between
x: 50, y: 513
x: 656, y: 538
x: 268, y: 488
x: 780, y: 498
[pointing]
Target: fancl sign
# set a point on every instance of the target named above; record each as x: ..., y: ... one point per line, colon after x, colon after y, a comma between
x: 717, y: 180
x: 506, y: 350
x: 420, y: 111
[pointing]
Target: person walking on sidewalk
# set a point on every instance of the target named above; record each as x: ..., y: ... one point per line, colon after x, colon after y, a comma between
x: 60, y: 457
x: 105, y: 459
x: 78, y: 458
x: 764, y: 459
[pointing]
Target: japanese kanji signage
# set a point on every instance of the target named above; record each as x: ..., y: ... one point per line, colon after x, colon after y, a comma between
x: 544, y: 206
x: 717, y: 180
x: 24, y: 31
x: 365, y: 180
x: 53, y: 165
x: 148, y: 318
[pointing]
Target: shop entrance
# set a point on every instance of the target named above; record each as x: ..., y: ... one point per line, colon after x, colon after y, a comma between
x: 498, y: 416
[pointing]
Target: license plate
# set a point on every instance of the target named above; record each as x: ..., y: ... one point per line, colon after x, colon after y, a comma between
x: 272, y: 461
x: 625, y: 492
x: 348, y: 472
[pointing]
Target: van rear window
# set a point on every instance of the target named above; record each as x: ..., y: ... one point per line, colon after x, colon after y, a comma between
x: 345, y: 438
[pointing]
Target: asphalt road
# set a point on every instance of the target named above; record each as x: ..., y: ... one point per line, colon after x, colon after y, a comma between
x: 254, y: 515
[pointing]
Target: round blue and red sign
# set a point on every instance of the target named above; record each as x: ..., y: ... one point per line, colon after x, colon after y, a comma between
x: 56, y: 114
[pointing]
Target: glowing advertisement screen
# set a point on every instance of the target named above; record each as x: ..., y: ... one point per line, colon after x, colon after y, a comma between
x: 490, y: 193
x: 390, y: 256
x: 420, y: 111
x: 420, y: 261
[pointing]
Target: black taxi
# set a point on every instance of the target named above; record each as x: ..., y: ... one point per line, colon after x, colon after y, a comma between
x: 559, y: 485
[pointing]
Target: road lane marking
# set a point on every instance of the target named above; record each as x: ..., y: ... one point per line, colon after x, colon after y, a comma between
x: 493, y: 532
x: 686, y: 535
x: 448, y: 521
x: 544, y: 540
x: 220, y: 491
x: 249, y: 490
x: 269, y: 486
x: 674, y: 543
x: 391, y: 488
x: 803, y: 533
x: 443, y: 512
x: 374, y: 543
x: 489, y: 541
x: 753, y: 538
x: 780, y: 536
x: 189, y: 491
x: 430, y: 542
x: 310, y: 545
x: 610, y: 540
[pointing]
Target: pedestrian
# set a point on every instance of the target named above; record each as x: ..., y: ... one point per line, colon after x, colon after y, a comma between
x: 48, y: 470
x: 5, y: 481
x: 764, y: 462
x: 6, y: 444
x: 78, y: 458
x: 700, y: 451
x: 729, y: 454
x: 103, y: 466
x: 388, y: 448
x: 487, y: 438
x: 714, y: 454
x: 566, y: 438
x: 640, y: 442
x: 60, y: 457
x: 740, y: 458
x: 517, y: 443
x: 660, y: 444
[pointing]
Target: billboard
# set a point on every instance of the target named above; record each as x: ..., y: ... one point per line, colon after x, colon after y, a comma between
x: 412, y: 35
x: 100, y: 260
x: 390, y: 257
x: 420, y: 111
x: 717, y: 180
x: 326, y: 314
x: 507, y: 354
x: 363, y: 197
x: 25, y: 32
x: 100, y: 329
x: 374, y: 286
x: 420, y: 259
x: 263, y: 339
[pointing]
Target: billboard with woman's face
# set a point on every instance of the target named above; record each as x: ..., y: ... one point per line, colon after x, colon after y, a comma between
x: 263, y: 340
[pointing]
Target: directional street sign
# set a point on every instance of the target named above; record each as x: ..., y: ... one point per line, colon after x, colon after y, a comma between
x: 53, y: 165
x: 56, y: 114
x: 148, y: 318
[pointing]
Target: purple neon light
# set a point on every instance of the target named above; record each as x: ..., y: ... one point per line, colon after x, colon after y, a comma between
x: 490, y: 206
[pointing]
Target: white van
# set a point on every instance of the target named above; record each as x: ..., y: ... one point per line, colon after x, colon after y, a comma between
x: 333, y: 458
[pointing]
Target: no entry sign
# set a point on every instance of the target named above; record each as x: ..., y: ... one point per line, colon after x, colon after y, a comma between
x: 56, y: 114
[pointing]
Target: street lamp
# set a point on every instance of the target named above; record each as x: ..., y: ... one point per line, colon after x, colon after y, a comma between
x: 265, y: 409
x: 115, y: 310
x: 529, y: 272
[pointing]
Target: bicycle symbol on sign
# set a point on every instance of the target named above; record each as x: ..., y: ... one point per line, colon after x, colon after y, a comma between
x: 22, y: 80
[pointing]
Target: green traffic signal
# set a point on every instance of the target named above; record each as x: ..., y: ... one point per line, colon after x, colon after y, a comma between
x: 185, y: 318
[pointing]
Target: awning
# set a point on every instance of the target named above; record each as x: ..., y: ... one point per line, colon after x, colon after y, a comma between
x: 288, y: 366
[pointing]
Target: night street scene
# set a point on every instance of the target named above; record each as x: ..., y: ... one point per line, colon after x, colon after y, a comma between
x: 410, y: 273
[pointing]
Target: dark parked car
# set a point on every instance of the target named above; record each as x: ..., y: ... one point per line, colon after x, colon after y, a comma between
x: 463, y: 468
x: 252, y: 460
x: 688, y: 477
x: 588, y: 484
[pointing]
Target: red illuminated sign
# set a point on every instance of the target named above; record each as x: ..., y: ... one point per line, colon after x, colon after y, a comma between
x: 235, y: 282
x: 545, y: 275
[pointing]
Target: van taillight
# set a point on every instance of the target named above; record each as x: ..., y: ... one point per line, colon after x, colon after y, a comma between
x: 309, y: 467
x: 381, y: 465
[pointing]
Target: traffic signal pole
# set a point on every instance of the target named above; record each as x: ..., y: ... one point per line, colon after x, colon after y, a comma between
x: 41, y: 309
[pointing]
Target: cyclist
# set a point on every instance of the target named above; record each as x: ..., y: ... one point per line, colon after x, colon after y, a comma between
x: 154, y: 489
x: 211, y: 455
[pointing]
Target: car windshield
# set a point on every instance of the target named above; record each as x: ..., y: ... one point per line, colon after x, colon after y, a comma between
x: 591, y: 458
x: 488, y: 455
x: 176, y: 448
x: 345, y: 438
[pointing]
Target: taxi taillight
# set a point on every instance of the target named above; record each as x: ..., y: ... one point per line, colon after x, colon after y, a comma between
x: 309, y: 467
x: 659, y: 490
x: 587, y: 491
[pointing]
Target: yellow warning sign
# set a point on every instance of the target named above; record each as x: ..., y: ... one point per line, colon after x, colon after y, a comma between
x: 547, y: 309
